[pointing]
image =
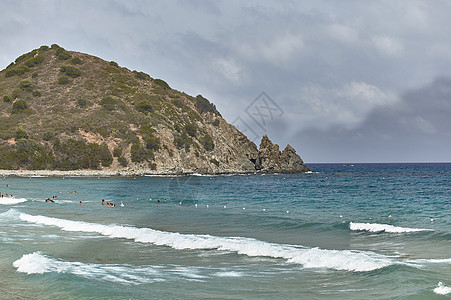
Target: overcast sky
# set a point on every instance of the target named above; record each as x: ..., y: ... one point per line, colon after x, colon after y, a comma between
x: 340, y: 81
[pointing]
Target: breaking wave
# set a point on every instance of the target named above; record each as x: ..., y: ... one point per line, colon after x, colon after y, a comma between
x: 374, y: 227
x: 348, y: 260
x: 11, y: 200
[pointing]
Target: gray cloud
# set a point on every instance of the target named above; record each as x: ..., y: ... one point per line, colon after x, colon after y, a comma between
x: 327, y: 64
x: 417, y: 128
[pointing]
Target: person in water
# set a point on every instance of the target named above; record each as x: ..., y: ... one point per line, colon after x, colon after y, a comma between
x: 49, y: 200
x: 103, y: 201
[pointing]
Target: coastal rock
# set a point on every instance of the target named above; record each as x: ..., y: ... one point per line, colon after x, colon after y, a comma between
x: 271, y: 160
x: 92, y: 115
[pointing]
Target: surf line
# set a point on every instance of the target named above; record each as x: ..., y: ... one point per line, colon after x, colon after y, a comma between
x: 344, y: 260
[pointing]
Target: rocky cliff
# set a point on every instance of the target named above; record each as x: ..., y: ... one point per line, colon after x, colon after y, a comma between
x: 64, y: 110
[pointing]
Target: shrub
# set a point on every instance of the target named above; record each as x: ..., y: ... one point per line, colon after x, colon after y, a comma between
x: 34, y: 75
x: 162, y: 83
x: 207, y: 142
x: 205, y: 106
x: 36, y: 93
x: 64, y: 80
x: 216, y: 122
x: 20, y: 105
x: 144, y: 107
x: 122, y: 161
x: 10, y: 73
x: 142, y: 75
x: 17, y: 71
x: 63, y: 55
x: 183, y: 140
x: 151, y: 141
x: 114, y: 64
x: 191, y: 129
x: 76, y: 154
x: 44, y: 48
x: 26, y: 56
x: 20, y: 134
x: 178, y: 103
x: 81, y: 102
x: 140, y: 154
x: 76, y: 61
x: 26, y: 85
x: 70, y: 71
x: 48, y: 136
x: 117, y: 152
x: 15, y: 94
x: 7, y: 98
x: 36, y: 60
x: 109, y: 103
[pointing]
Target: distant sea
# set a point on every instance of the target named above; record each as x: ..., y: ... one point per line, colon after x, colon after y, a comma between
x: 345, y: 231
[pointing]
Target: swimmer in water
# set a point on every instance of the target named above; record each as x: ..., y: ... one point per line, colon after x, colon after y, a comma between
x: 103, y: 201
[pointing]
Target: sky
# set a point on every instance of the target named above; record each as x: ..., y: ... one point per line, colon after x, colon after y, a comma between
x: 340, y: 81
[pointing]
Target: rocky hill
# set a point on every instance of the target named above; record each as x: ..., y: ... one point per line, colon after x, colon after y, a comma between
x: 64, y: 110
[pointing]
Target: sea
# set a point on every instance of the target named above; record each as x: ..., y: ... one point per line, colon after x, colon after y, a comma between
x: 342, y: 231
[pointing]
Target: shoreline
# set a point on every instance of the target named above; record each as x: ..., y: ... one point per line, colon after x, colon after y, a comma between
x: 118, y: 173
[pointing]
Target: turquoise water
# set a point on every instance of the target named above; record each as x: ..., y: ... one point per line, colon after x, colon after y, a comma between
x: 364, y: 231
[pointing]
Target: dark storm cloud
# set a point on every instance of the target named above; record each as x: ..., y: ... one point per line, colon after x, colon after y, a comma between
x: 418, y: 128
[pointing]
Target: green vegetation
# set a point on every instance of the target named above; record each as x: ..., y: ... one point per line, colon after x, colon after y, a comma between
x: 205, y: 106
x: 109, y: 103
x: 207, y: 142
x: 76, y: 61
x: 191, y: 129
x: 36, y: 60
x: 75, y: 97
x: 26, y: 85
x: 142, y: 75
x: 144, y: 107
x: 162, y: 83
x: 70, y: 71
x: 19, y: 106
x: 64, y: 80
x: 21, y: 134
x: 76, y: 154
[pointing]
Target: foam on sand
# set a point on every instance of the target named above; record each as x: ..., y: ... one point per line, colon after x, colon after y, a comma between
x: 441, y: 289
x: 11, y: 200
x: 375, y: 227
x: 348, y: 260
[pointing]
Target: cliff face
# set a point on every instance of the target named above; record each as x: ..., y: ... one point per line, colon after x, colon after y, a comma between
x: 64, y: 110
x: 271, y: 160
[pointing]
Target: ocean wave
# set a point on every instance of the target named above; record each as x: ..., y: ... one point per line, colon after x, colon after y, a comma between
x: 347, y: 260
x: 11, y: 200
x: 441, y: 289
x: 375, y: 227
x: 37, y: 263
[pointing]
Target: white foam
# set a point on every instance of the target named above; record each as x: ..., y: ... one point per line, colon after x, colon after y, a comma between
x: 441, y: 289
x: 37, y: 263
x: 11, y: 200
x: 9, y: 214
x: 375, y: 227
x: 229, y: 274
x: 349, y: 260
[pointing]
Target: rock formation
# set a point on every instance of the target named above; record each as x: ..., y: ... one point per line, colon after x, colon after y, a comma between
x: 65, y: 110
